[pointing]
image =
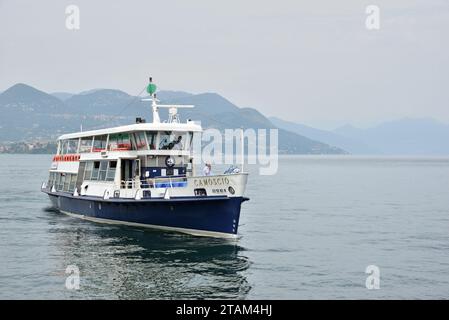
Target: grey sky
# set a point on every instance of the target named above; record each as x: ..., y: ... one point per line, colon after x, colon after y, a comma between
x: 312, y: 62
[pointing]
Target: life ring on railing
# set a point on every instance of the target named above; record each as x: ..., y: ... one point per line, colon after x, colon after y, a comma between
x: 169, y: 161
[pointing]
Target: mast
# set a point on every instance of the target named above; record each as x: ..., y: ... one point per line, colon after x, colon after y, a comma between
x: 151, y: 89
x: 173, y: 116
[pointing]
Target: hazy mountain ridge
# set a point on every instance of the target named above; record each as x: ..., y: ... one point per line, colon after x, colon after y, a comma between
x: 34, y: 114
x: 407, y: 136
x: 349, y: 144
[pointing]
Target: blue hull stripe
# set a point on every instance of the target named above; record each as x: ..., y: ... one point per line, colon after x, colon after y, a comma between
x: 209, y: 214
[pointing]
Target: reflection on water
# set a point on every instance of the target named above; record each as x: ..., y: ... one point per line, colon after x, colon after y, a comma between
x: 131, y: 263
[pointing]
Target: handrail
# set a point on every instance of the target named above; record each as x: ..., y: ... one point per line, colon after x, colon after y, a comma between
x: 151, y: 182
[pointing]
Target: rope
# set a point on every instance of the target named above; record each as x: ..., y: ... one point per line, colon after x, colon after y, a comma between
x: 132, y: 101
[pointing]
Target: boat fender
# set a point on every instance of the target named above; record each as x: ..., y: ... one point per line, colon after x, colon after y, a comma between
x: 167, y: 194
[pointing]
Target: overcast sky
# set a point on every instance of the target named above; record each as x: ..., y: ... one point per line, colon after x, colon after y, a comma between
x: 312, y: 62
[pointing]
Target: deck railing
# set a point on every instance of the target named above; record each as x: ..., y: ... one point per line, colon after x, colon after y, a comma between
x: 158, y: 182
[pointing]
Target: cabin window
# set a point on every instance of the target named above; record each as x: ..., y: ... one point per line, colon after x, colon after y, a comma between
x: 119, y: 142
x: 64, y: 145
x: 72, y: 182
x: 86, y: 144
x: 100, y: 143
x: 66, y: 179
x: 57, y: 181
x: 95, y: 170
x: 111, y: 171
x: 80, y: 175
x: 72, y: 146
x: 191, y: 140
x: 88, y: 170
x: 103, y: 170
x: 151, y: 137
x: 141, y: 142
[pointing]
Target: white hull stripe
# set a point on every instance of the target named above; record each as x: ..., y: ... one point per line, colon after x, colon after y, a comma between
x: 194, y: 232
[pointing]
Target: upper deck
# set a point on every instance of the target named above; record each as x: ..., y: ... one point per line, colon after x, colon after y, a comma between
x: 150, y: 138
x: 155, y: 138
x: 189, y: 126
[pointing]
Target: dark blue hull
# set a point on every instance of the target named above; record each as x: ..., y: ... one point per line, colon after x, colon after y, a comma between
x: 212, y: 216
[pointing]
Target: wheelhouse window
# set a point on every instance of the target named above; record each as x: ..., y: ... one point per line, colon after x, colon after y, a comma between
x: 119, y: 142
x: 140, y: 140
x: 151, y: 137
x: 171, y: 141
x: 86, y: 144
x: 100, y: 143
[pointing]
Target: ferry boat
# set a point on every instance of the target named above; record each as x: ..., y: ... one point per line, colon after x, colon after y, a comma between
x: 143, y: 175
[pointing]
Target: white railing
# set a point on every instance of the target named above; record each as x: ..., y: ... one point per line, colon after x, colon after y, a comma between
x: 168, y: 182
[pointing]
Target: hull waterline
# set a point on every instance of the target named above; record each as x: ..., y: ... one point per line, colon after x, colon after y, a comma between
x: 209, y: 216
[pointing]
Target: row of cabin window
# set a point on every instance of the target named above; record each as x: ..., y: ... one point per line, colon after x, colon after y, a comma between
x: 100, y: 170
x: 125, y: 141
x: 62, y: 181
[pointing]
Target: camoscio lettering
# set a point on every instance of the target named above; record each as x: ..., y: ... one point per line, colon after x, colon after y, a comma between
x: 204, y: 182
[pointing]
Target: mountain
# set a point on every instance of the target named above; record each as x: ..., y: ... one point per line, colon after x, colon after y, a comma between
x: 218, y: 112
x: 33, y: 114
x: 351, y: 145
x: 24, y: 109
x: 167, y: 94
x: 61, y: 95
x: 406, y: 136
x: 23, y: 98
x: 102, y: 101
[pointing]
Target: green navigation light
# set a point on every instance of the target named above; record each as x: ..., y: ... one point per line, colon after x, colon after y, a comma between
x: 151, y: 88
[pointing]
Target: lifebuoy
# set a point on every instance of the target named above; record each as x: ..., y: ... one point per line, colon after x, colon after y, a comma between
x: 169, y: 161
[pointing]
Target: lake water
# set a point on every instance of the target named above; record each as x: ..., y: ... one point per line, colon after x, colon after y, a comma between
x: 308, y: 232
